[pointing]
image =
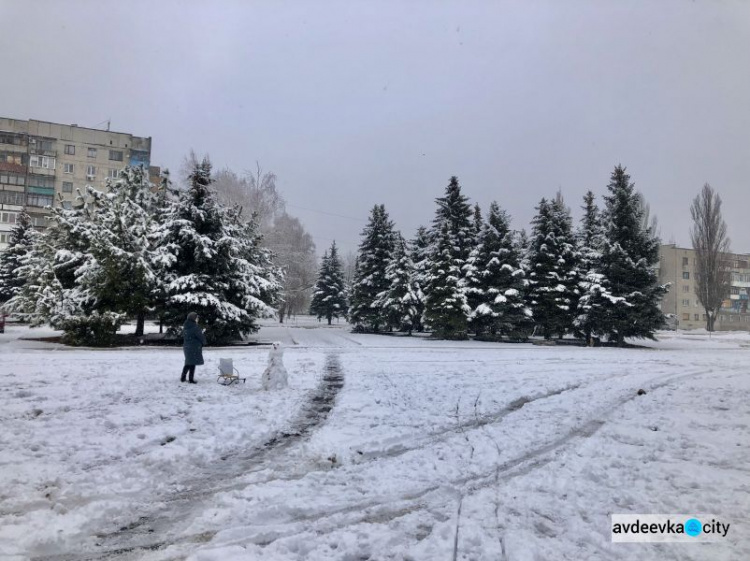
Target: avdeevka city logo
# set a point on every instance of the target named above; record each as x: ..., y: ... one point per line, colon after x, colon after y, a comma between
x: 693, y: 527
x: 668, y: 528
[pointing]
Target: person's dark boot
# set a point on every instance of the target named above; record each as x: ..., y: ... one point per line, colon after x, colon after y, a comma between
x: 191, y: 381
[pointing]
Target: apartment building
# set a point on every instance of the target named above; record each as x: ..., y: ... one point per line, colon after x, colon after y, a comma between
x: 677, y: 266
x: 44, y: 164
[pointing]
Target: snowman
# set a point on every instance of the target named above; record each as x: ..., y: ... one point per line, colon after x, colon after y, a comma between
x: 275, y: 376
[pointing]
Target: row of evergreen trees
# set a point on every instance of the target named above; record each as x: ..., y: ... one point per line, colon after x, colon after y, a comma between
x: 135, y: 250
x: 469, y: 273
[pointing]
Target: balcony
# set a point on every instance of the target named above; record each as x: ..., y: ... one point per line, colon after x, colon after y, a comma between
x: 43, y: 172
x: 39, y: 152
x: 15, y: 140
x: 42, y: 146
x: 15, y: 168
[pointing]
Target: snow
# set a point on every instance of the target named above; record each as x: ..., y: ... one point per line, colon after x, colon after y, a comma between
x: 432, y: 450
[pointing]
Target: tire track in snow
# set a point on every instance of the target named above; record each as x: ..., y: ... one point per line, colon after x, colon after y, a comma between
x: 158, y: 530
x: 383, y: 511
x: 443, y: 434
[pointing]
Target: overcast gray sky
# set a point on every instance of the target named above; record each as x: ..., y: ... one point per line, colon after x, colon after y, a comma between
x: 357, y: 103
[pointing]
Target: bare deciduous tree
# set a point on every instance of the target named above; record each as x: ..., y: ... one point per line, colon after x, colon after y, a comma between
x: 256, y: 193
x: 294, y: 252
x: 711, y: 245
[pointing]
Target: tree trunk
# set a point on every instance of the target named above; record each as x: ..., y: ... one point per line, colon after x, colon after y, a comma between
x: 620, y: 340
x: 140, y: 323
x: 329, y: 320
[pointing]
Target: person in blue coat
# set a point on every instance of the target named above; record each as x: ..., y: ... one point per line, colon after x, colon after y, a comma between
x: 192, y: 345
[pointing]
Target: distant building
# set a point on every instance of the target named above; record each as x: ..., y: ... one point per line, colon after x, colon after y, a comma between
x: 43, y: 164
x: 677, y: 266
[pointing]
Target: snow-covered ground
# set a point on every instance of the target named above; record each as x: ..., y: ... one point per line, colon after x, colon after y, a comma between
x: 428, y: 451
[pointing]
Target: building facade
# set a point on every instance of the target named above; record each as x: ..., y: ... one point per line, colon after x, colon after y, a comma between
x: 44, y: 165
x: 677, y: 266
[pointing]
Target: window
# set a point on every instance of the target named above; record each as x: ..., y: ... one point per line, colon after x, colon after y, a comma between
x: 685, y: 261
x: 14, y: 158
x: 8, y: 217
x: 685, y: 275
x: 696, y: 317
x: 685, y: 288
x: 686, y: 303
x: 91, y: 153
x: 10, y: 138
x: 47, y: 181
x: 67, y: 205
x: 38, y: 200
x: 3, y: 238
x: 12, y: 178
x: 42, y: 145
x: 12, y: 198
x: 70, y: 149
x: 112, y: 174
x: 44, y: 162
x: 67, y: 168
x: 686, y: 317
x: 90, y: 172
x: 115, y: 155
x: 67, y: 186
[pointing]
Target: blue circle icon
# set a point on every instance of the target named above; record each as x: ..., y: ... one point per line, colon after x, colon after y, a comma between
x: 693, y: 527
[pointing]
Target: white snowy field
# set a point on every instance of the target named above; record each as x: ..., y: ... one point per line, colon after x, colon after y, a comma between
x: 430, y: 451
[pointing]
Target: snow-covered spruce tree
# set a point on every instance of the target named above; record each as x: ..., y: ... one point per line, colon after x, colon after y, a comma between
x: 22, y: 239
x: 41, y: 297
x: 452, y: 239
x: 329, y: 295
x: 446, y: 309
x: 521, y: 243
x: 317, y: 303
x: 400, y: 301
x: 455, y: 211
x: 123, y: 219
x: 593, y: 285
x: 630, y: 254
x: 210, y: 263
x: 375, y: 249
x: 552, y: 292
x: 478, y: 222
x: 420, y: 257
x: 495, y: 281
x: 56, y: 291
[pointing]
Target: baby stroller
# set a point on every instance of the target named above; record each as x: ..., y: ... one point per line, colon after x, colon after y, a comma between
x: 228, y: 374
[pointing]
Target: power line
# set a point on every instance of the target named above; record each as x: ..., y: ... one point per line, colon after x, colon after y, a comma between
x: 328, y: 213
